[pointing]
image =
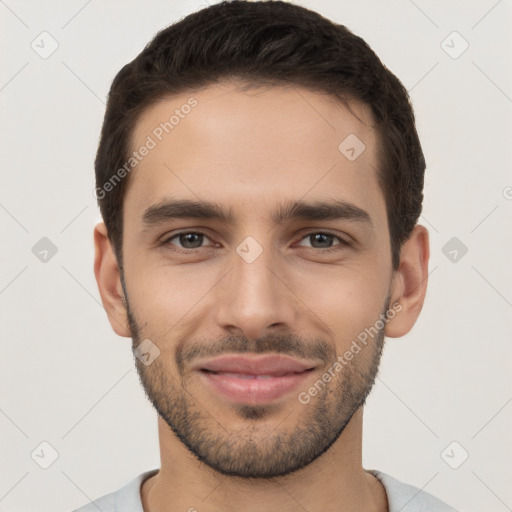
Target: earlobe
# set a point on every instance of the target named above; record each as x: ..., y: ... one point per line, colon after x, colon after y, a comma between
x: 106, y: 270
x: 409, y: 285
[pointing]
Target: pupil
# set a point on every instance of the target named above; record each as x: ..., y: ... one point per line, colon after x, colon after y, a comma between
x: 319, y: 236
x: 188, y: 239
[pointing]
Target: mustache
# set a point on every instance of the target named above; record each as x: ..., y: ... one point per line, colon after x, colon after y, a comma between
x: 316, y: 349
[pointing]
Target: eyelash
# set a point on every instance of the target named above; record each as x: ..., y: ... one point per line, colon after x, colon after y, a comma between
x: 342, y: 243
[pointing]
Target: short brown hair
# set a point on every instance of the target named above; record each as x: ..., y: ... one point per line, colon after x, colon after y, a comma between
x: 266, y: 43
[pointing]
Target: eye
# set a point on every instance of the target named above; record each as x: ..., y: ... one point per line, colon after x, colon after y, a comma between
x: 187, y: 239
x: 190, y: 240
x: 323, y: 240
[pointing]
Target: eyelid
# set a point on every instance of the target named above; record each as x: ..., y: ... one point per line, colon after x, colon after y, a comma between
x: 166, y: 240
x: 342, y: 241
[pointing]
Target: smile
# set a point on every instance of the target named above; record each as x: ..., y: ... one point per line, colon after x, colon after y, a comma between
x: 254, y: 379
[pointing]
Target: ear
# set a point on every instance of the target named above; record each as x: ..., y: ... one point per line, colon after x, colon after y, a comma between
x: 108, y: 278
x: 409, y: 284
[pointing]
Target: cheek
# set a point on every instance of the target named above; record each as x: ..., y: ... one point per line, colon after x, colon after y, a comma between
x: 162, y: 294
x: 347, y: 298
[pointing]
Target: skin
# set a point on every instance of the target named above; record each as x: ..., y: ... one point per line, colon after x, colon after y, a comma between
x: 249, y: 151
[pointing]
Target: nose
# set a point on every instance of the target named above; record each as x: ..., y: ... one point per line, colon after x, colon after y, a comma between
x: 254, y: 299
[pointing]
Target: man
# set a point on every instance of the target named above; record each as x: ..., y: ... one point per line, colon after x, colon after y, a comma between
x: 260, y: 178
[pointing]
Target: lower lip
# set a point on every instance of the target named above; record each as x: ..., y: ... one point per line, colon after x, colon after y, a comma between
x: 254, y: 391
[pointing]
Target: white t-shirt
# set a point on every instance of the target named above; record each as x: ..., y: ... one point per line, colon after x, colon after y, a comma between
x: 401, y: 497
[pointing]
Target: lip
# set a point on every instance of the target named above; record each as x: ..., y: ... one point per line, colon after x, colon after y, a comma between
x: 254, y: 379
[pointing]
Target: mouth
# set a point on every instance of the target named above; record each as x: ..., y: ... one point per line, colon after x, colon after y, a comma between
x: 254, y: 379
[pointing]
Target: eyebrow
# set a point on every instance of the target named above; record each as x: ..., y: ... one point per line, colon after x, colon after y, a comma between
x: 291, y: 210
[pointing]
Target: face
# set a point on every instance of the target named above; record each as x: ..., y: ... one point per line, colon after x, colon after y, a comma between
x: 256, y: 253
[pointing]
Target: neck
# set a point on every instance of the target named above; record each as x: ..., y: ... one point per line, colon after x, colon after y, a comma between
x: 334, y: 481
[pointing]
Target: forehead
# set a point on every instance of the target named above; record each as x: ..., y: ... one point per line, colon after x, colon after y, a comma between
x: 251, y: 148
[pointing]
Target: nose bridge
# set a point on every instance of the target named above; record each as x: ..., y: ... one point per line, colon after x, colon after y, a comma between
x: 252, y: 269
x: 253, y: 298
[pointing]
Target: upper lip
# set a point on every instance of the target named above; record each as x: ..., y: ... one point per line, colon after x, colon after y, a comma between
x: 255, y: 365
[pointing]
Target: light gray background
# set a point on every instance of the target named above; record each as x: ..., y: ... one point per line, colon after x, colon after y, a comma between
x: 68, y: 380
